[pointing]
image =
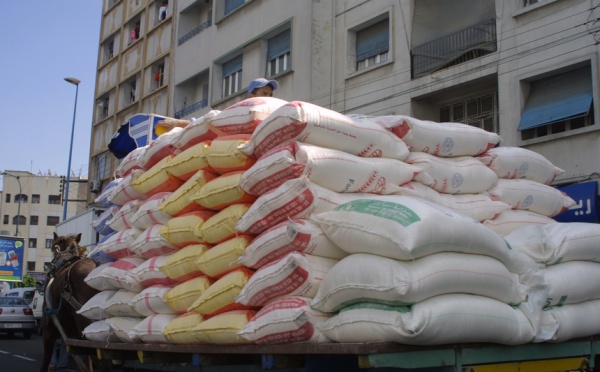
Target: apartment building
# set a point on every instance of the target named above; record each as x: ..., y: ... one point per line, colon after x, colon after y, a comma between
x: 32, y: 205
x: 526, y: 69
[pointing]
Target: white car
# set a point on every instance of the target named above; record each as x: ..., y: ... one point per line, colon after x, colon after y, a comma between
x: 16, y: 316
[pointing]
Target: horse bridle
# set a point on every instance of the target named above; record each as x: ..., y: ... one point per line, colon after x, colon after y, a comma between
x: 67, y: 292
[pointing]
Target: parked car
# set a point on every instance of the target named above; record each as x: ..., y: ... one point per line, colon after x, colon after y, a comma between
x: 27, y: 293
x: 16, y: 316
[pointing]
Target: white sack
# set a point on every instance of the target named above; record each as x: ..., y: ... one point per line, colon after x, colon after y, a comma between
x: 333, y: 169
x: 445, y: 319
x: 440, y: 139
x: 508, y: 221
x: 405, y: 228
x: 297, y: 274
x: 309, y: 123
x: 517, y: 162
x: 285, y: 320
x: 366, y: 277
x: 296, y: 198
x: 572, y: 282
x: 479, y: 207
x: 558, y: 242
x: 571, y: 321
x: 288, y: 236
x: 532, y: 196
x: 457, y: 175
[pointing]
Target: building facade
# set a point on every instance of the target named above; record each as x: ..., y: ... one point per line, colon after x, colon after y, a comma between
x: 32, y: 206
x: 526, y: 69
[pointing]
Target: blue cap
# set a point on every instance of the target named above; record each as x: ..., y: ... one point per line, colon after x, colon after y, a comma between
x: 261, y: 82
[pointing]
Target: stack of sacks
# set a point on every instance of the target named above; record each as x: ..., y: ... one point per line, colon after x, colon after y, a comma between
x: 309, y: 160
x: 524, y: 182
x: 203, y: 228
x: 569, y: 252
x: 428, y: 275
x: 452, y: 175
x: 155, y: 186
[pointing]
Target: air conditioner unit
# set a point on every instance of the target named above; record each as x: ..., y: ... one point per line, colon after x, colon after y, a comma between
x: 95, y: 186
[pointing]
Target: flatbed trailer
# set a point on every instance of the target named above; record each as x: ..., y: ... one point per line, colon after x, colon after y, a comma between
x: 575, y: 355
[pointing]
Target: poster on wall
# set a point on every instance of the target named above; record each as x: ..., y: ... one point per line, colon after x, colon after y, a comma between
x: 11, y: 258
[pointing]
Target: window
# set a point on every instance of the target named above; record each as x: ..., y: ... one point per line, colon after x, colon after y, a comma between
x: 159, y: 76
x: 33, y: 220
x: 49, y: 243
x: 30, y: 266
x: 5, y: 220
x: 132, y: 91
x: 372, y: 45
x: 21, y: 198
x: 7, y: 198
x: 52, y: 220
x: 278, y: 53
x: 21, y: 219
x: 53, y: 199
x: 232, y: 76
x: 530, y: 2
x: 32, y: 243
x: 481, y: 112
x: 231, y: 5
x: 35, y: 198
x: 101, y: 166
x: 558, y: 103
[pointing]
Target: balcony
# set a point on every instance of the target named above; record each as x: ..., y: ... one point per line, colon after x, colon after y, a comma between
x: 194, y: 32
x: 458, y: 47
x: 191, y: 109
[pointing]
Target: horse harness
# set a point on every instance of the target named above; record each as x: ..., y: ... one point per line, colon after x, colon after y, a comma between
x: 63, y: 261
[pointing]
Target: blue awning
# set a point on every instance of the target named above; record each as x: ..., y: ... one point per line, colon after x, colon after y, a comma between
x: 560, y: 97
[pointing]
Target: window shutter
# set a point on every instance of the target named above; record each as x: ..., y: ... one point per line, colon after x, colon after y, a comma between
x: 372, y: 41
x: 556, y: 98
x: 232, y: 66
x: 230, y: 5
x: 279, y: 45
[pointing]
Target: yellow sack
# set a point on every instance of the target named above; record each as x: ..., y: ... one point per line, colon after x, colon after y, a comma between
x: 220, y: 296
x: 222, y: 192
x: 180, y: 201
x: 180, y: 329
x: 221, y: 226
x: 187, y: 163
x: 223, y: 328
x: 181, y: 265
x: 183, y: 295
x: 224, y: 155
x: 156, y: 179
x: 223, y: 258
x: 185, y: 229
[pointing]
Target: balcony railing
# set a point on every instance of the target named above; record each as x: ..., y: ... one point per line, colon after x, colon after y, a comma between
x: 194, y: 32
x: 442, y: 52
x: 190, y: 109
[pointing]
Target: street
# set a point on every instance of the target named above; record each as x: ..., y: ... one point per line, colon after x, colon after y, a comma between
x: 18, y: 354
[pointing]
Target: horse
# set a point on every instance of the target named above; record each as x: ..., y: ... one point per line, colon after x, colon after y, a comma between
x: 65, y: 292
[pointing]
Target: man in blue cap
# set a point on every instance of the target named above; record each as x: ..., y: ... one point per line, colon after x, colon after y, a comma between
x: 262, y: 87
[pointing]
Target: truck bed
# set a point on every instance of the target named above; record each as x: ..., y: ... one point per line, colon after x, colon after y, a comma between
x: 577, y: 354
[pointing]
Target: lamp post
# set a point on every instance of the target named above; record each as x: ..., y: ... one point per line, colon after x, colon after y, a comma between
x: 75, y: 82
x: 20, y: 196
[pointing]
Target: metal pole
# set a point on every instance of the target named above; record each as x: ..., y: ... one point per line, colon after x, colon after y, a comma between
x: 20, y: 196
x: 76, y: 83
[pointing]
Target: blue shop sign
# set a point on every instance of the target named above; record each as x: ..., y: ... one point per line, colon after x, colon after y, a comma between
x: 585, y: 208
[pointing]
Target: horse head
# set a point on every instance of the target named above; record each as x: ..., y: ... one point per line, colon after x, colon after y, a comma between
x: 67, y: 246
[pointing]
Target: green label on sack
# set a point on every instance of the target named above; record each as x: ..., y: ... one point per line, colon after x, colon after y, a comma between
x: 383, y: 209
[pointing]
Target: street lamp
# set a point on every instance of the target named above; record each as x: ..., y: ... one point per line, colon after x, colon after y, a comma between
x: 75, y: 82
x: 20, y: 196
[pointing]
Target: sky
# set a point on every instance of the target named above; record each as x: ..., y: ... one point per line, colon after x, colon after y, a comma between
x: 45, y: 42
